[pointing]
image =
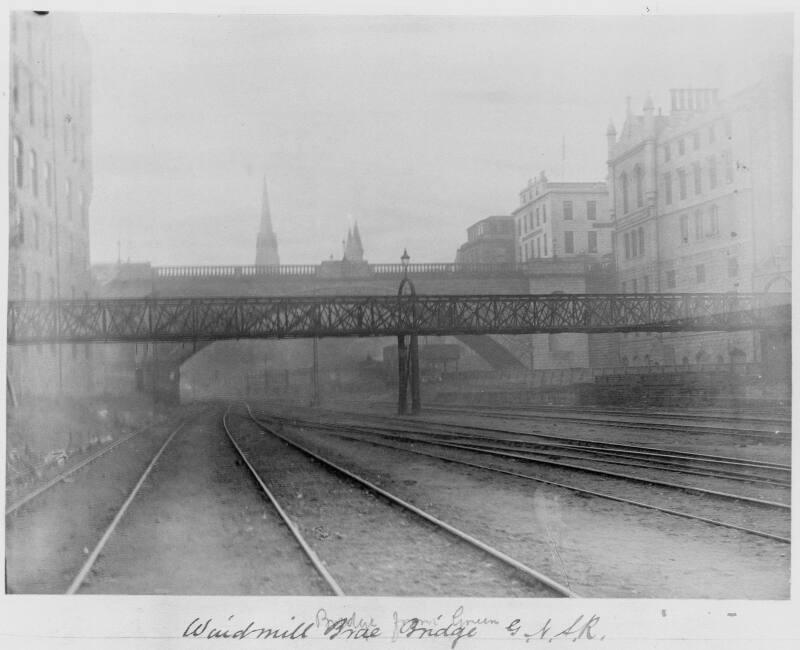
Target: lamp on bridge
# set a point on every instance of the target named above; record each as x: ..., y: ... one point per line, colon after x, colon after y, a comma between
x: 407, y: 356
x: 404, y: 261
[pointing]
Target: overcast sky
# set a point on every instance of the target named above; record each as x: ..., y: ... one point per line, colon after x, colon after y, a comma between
x: 413, y: 127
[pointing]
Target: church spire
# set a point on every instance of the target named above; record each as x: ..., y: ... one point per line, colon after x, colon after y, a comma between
x: 267, y: 245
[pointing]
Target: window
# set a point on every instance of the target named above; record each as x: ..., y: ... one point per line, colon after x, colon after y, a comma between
x: 592, y: 241
x: 624, y: 287
x: 545, y: 246
x: 19, y: 165
x: 567, y: 209
x: 698, y: 225
x: 31, y: 103
x: 68, y: 197
x: 15, y: 87
x: 52, y: 289
x: 569, y: 243
x: 728, y: 161
x: 34, y: 172
x: 627, y: 246
x: 684, y: 228
x: 639, y: 188
x: 712, y: 227
x: 698, y: 183
x: 682, y: 183
x: 681, y: 147
x: 696, y: 140
x: 537, y: 217
x: 544, y: 214
x: 20, y: 226
x: 733, y: 267
x: 666, y: 152
x: 35, y: 231
x: 670, y: 279
x: 668, y: 188
x: 635, y: 287
x: 624, y: 183
x: 23, y: 282
x: 700, y: 272
x: 641, y: 240
x: 646, y: 283
x: 71, y: 250
x: 712, y: 135
x: 634, y: 244
x: 37, y: 277
x: 591, y: 210
x: 48, y: 183
x: 712, y: 172
x: 538, y: 247
x: 728, y: 128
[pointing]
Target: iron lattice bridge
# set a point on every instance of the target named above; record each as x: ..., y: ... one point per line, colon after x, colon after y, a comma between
x: 195, y: 319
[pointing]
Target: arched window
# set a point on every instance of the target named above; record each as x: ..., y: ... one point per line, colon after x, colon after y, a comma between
x: 19, y: 165
x: 624, y: 182
x: 639, y: 188
x: 641, y: 240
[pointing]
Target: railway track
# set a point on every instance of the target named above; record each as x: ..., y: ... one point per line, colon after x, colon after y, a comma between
x: 18, y: 503
x: 545, y: 449
x: 368, y: 434
x: 500, y: 563
x: 662, y: 422
x: 767, y: 419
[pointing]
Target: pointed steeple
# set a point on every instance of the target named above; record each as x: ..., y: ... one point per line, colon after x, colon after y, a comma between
x: 267, y: 245
x: 358, y: 248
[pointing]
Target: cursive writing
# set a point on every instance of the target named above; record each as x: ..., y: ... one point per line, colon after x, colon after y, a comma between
x: 208, y: 630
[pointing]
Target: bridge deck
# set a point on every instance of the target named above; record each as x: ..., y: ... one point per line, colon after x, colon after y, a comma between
x: 195, y: 319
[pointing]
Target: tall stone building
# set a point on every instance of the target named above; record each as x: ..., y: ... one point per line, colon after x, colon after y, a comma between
x: 562, y: 219
x: 267, y: 244
x: 701, y: 200
x: 50, y: 188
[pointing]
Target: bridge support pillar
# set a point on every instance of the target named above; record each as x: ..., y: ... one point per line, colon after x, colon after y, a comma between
x: 408, y: 371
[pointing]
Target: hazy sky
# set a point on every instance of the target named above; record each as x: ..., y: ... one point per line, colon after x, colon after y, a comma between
x: 413, y: 127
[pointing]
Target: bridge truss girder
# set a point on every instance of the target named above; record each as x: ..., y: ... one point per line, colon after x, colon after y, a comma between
x: 205, y: 319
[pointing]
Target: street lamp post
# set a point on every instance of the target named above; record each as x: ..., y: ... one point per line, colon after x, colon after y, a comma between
x: 408, y: 357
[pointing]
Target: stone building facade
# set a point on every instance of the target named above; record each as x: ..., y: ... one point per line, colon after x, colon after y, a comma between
x: 562, y: 219
x: 701, y: 201
x: 489, y: 241
x: 50, y: 189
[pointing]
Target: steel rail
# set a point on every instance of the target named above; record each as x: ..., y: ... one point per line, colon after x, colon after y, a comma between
x: 16, y: 505
x: 716, y: 413
x: 613, y: 449
x: 617, y: 475
x: 580, y: 442
x: 87, y: 566
x: 603, y: 444
x: 655, y: 426
x: 499, y: 555
x: 655, y: 464
x: 572, y: 488
x: 312, y: 556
